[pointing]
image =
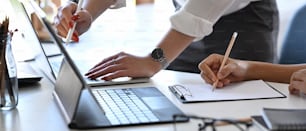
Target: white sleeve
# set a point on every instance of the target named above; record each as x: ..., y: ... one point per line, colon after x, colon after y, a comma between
x: 197, y: 17
x: 118, y: 4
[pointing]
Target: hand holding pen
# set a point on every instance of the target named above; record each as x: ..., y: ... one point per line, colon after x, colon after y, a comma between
x: 67, y: 16
x: 221, y: 70
x: 233, y: 71
x: 71, y: 30
x: 227, y: 53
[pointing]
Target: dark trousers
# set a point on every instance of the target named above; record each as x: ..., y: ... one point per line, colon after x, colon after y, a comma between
x: 257, y: 27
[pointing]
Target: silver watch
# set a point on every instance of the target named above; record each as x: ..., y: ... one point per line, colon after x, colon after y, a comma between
x: 159, y: 56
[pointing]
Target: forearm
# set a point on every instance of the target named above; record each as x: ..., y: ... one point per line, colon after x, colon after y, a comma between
x: 271, y: 72
x: 174, y: 43
x: 97, y: 7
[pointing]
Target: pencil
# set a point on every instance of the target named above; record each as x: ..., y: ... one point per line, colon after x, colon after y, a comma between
x: 228, y: 51
x: 3, y: 34
x: 71, y: 30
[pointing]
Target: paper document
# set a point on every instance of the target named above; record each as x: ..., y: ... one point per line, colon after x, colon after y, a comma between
x: 246, y: 90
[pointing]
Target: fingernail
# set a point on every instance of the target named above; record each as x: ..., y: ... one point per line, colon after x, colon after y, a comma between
x: 75, y: 38
x: 70, y: 24
x: 75, y: 17
x: 75, y: 34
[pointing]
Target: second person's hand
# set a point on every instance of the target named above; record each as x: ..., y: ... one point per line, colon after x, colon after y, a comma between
x: 298, y: 82
x: 65, y: 18
x: 233, y: 71
x: 124, y: 65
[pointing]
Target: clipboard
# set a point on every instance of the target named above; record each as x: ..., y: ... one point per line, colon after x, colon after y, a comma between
x: 245, y: 90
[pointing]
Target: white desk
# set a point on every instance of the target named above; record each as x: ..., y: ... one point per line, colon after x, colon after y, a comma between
x: 37, y: 110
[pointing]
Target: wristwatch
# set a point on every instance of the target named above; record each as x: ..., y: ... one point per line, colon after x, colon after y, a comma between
x: 159, y: 56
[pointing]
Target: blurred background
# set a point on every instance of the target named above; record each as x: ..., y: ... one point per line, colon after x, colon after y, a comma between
x: 159, y: 15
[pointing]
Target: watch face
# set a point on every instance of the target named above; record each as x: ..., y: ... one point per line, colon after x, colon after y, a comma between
x: 157, y: 53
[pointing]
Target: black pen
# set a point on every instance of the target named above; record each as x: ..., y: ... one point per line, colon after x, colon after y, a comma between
x: 177, y: 93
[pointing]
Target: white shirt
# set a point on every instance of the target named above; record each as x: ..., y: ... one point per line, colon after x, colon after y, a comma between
x: 197, y: 17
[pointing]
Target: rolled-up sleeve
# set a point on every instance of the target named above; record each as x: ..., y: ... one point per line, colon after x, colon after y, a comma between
x: 197, y: 17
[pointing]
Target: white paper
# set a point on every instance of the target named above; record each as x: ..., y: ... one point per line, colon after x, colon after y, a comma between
x: 255, y: 89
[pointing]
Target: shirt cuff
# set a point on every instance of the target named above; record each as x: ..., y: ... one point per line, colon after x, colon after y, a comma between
x: 118, y: 4
x: 191, y: 25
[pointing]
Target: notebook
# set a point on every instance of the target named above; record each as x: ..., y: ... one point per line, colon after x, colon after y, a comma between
x: 87, y: 108
x: 54, y: 61
x: 285, y: 119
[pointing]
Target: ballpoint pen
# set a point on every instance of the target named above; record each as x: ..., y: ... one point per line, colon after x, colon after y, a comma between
x: 71, y: 30
x: 228, y: 51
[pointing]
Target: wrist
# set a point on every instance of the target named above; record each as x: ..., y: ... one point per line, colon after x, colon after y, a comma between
x: 152, y: 66
x: 158, y: 56
x: 251, y: 70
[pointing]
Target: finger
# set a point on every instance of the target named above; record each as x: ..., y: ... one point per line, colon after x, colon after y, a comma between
x: 65, y: 20
x: 101, y: 66
x: 59, y: 28
x: 207, y: 72
x: 61, y: 31
x: 116, y: 74
x: 293, y: 90
x: 79, y: 16
x: 225, y: 82
x: 207, y: 79
x: 107, y: 60
x: 295, y: 86
x: 226, y: 71
x: 213, y: 59
x: 75, y: 37
x: 66, y: 13
x: 105, y: 71
x: 219, y: 84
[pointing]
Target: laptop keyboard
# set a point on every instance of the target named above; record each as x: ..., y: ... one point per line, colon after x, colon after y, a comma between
x: 122, y: 106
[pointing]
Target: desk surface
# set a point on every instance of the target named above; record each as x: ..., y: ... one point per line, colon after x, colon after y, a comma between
x: 37, y: 110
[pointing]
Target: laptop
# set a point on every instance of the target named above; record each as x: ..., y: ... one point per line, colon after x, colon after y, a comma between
x: 83, y: 64
x: 89, y: 108
x: 26, y: 73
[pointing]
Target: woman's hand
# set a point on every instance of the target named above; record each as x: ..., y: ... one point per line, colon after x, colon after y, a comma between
x: 298, y: 82
x: 66, y: 17
x: 124, y: 65
x: 233, y: 71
